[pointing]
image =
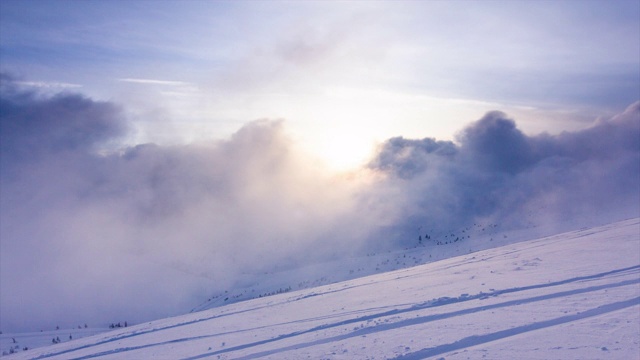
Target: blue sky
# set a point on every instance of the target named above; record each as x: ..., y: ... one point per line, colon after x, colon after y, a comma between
x: 198, y: 69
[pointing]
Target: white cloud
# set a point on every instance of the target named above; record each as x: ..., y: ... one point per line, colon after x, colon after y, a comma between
x: 48, y: 84
x: 155, y: 82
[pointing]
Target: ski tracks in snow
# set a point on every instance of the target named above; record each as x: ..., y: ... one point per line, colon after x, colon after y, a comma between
x: 476, y: 340
x: 395, y: 306
x: 466, y: 342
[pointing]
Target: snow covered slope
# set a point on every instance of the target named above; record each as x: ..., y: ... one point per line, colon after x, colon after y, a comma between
x: 11, y: 343
x: 440, y: 245
x: 573, y: 295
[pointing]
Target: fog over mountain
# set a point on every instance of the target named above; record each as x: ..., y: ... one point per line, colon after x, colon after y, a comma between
x: 107, y: 231
x: 497, y: 172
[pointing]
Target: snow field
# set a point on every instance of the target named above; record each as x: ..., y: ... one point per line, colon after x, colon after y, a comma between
x: 571, y: 295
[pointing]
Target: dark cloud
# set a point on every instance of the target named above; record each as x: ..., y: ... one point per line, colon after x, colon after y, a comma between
x: 497, y: 172
x: 405, y: 157
x: 495, y: 143
x: 32, y: 126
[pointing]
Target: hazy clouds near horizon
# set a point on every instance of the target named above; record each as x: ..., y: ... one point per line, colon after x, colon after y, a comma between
x: 148, y: 231
x: 498, y: 173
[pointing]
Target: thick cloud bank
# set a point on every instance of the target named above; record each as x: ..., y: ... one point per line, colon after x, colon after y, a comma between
x: 90, y: 234
x: 497, y: 173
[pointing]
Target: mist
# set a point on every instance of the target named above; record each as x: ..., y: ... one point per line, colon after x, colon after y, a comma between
x: 95, y: 231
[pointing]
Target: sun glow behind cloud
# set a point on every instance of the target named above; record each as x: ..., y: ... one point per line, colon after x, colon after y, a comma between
x: 342, y: 126
x: 342, y: 149
x: 339, y: 125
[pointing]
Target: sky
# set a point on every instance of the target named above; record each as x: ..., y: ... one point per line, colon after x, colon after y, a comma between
x: 186, y: 143
x: 336, y: 71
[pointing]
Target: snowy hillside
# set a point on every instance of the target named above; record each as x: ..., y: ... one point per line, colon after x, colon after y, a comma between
x: 429, y: 246
x: 573, y: 295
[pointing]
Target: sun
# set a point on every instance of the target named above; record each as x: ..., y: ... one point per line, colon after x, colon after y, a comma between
x: 344, y: 152
x: 341, y: 126
x: 344, y: 130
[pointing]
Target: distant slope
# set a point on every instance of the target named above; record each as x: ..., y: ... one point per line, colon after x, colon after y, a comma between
x: 572, y: 295
x: 429, y: 246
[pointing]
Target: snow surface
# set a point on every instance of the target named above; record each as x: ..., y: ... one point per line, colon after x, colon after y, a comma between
x: 440, y: 245
x: 574, y: 295
x: 31, y: 340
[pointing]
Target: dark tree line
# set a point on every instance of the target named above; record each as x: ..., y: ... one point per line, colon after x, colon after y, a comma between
x: 118, y: 325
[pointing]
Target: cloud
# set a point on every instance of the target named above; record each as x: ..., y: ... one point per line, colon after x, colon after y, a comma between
x: 89, y: 236
x: 497, y: 172
x: 496, y: 143
x: 93, y: 233
x: 34, y: 126
x: 43, y: 84
x: 405, y: 157
x: 155, y: 82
